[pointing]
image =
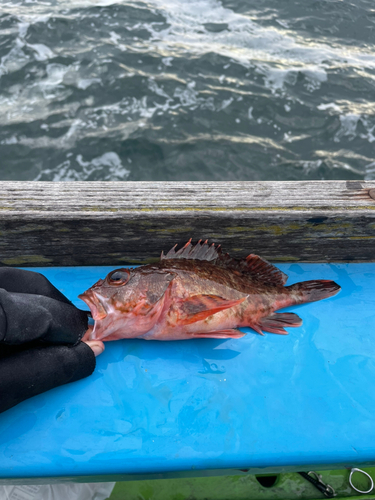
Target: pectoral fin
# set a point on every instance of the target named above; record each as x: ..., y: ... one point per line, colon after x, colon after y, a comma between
x: 199, y: 307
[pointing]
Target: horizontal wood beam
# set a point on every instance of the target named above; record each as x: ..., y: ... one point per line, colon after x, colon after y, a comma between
x: 112, y: 223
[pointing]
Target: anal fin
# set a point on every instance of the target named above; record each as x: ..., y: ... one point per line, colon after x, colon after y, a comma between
x: 220, y: 334
x: 276, y: 322
x: 255, y: 327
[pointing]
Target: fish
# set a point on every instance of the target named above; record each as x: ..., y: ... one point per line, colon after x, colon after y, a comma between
x: 197, y: 292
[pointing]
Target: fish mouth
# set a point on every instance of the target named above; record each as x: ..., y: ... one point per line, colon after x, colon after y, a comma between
x: 97, y: 308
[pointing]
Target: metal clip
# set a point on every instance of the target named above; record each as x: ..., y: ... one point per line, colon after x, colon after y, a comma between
x: 316, y: 479
x: 365, y: 473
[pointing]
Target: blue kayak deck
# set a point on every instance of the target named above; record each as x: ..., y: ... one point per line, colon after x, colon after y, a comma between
x: 272, y: 403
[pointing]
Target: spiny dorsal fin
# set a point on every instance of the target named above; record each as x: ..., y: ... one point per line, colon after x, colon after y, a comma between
x: 259, y: 269
x: 200, y: 251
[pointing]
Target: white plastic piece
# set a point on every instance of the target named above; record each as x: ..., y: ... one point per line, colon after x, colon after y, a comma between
x: 63, y: 491
x: 364, y: 473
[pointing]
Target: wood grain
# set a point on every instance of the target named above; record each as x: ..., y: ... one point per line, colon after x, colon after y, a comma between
x: 112, y: 223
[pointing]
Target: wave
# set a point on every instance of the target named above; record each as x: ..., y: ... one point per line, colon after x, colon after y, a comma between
x: 196, y: 90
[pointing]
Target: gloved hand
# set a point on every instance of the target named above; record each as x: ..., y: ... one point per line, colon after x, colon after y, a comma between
x: 40, y: 333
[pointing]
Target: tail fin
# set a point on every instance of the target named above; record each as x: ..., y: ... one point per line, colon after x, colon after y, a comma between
x: 311, y: 291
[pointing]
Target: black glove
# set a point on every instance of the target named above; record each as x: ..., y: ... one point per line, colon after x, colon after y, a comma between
x: 40, y: 333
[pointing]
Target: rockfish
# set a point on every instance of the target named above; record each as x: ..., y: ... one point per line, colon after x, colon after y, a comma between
x: 197, y: 292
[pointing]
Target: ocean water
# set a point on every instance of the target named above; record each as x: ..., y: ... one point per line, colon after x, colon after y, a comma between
x: 187, y: 90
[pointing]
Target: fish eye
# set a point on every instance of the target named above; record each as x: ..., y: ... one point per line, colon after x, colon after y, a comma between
x: 118, y: 277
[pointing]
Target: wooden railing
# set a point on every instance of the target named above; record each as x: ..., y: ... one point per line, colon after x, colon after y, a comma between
x: 111, y: 223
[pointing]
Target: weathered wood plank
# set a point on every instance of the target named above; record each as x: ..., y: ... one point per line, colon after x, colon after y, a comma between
x: 101, y: 223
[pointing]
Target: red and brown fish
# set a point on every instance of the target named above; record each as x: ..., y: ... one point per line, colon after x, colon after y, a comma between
x: 197, y: 292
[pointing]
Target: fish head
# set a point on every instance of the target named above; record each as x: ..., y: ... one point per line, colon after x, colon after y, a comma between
x: 104, y: 294
x: 124, y: 304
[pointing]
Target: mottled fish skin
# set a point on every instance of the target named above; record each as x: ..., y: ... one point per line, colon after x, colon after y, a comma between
x: 197, y: 292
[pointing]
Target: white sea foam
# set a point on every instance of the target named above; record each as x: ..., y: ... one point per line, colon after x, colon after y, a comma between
x: 244, y: 41
x: 10, y: 140
x: 115, y: 39
x: 108, y: 166
x: 225, y: 103
x: 17, y: 56
x: 311, y: 166
x: 29, y: 102
x: 370, y: 171
x: 85, y: 83
x: 348, y: 127
x: 329, y: 105
x: 15, y: 59
x: 110, y: 161
x: 42, y: 52
x: 278, y: 54
x: 55, y: 75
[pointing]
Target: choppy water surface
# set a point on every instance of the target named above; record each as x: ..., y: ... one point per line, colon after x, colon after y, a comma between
x: 194, y: 90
